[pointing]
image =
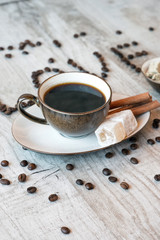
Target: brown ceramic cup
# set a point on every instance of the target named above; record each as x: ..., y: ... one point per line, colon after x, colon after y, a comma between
x: 69, y: 124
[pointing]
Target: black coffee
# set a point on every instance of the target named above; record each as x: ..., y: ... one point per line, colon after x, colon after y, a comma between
x: 74, y: 98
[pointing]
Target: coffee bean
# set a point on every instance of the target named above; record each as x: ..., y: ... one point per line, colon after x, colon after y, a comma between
x: 104, y: 75
x: 4, y: 181
x: 109, y: 155
x: 134, y: 160
x: 125, y: 151
x: 22, y: 45
x: 70, y: 61
x: 3, y: 108
x: 79, y: 182
x: 30, y: 43
x: 126, y: 45
x: 75, y: 35
x: 65, y: 230
x: 133, y: 66
x: 138, y: 70
x: 151, y: 29
x: 89, y: 186
x: 23, y: 104
x: 4, y: 163
x: 130, y: 56
x: 83, y: 33
x: 22, y: 177
x: 60, y: 71
x: 8, y: 55
x: 0, y: 176
x: 12, y: 109
x: 7, y: 112
x: 150, y: 141
x: 156, y: 120
x: 53, y: 197
x: 24, y: 163
x: 1, y: 48
x: 157, y: 139
x: 138, y: 54
x: 119, y: 46
x: 128, y: 62
x: 31, y: 103
x: 74, y: 64
x: 103, y: 64
x: 24, y: 148
x: 134, y: 43
x: 47, y: 69
x: 37, y: 85
x: 31, y: 189
x: 112, y: 179
x: 144, y: 53
x: 157, y: 177
x: 105, y: 69
x: 25, y: 53
x: 57, y: 43
x: 155, y: 125
x: 38, y: 43
x: 133, y: 146
x: 31, y: 166
x: 69, y: 167
x: 106, y: 171
x: 55, y: 69
x: 118, y: 32
x: 51, y: 60
x: 10, y: 48
x: 124, y: 185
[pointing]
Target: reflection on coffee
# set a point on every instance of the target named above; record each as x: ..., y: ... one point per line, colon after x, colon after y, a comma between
x: 74, y: 98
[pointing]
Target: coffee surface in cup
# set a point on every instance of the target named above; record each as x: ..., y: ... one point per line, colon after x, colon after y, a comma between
x: 74, y: 98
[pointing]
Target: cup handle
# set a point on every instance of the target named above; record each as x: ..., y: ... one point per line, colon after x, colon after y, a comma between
x: 26, y: 114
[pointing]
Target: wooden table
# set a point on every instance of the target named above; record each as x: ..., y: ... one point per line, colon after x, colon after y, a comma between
x: 108, y: 212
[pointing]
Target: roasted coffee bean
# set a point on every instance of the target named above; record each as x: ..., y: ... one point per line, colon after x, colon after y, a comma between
x: 155, y: 125
x: 51, y: 60
x: 65, y: 230
x: 101, y: 59
x: 36, y: 81
x: 70, y: 61
x: 32, y: 166
x: 80, y: 68
x: 79, y: 182
x: 134, y: 160
x: 105, y: 69
x: 151, y: 29
x: 119, y: 46
x: 3, y: 108
x: 133, y: 66
x: 10, y: 48
x: 133, y: 146
x: 24, y: 163
x: 30, y: 103
x: 125, y: 151
x: 124, y: 185
x: 60, y: 71
x: 1, y: 48
x: 57, y: 43
x: 157, y: 177
x: 74, y: 64
x: 156, y: 120
x: 138, y: 70
x: 144, y: 53
x: 138, y: 54
x: 124, y: 59
x: 4, y: 181
x: 118, y: 32
x: 150, y: 141
x: 69, y: 167
x: 12, y: 109
x: 89, y: 186
x: 128, y: 63
x: 0, y: 176
x: 157, y: 139
x: 75, y: 35
x: 104, y: 75
x: 25, y: 53
x: 126, y: 45
x: 22, y: 177
x: 27, y: 41
x: 31, y: 189
x: 53, y: 197
x: 24, y: 104
x: 106, y: 171
x: 103, y: 64
x: 8, y: 55
x: 55, y: 69
x: 7, y: 112
x: 83, y: 33
x: 37, y: 85
x: 4, y: 163
x: 30, y: 43
x: 22, y: 45
x: 47, y: 69
x: 112, y: 179
x: 134, y: 43
x: 38, y: 43
x: 24, y: 148
x: 130, y: 56
x: 109, y: 154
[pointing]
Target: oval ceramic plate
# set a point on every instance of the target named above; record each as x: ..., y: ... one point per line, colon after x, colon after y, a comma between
x: 44, y: 139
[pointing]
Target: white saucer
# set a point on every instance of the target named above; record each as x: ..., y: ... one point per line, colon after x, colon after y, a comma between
x: 44, y: 139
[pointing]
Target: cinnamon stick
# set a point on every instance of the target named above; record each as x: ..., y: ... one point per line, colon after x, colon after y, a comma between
x: 145, y: 107
x: 140, y: 98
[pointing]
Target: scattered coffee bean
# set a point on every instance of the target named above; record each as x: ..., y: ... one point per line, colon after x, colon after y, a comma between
x: 24, y: 163
x: 24, y: 148
x: 106, y: 171
x: 75, y: 35
x: 124, y: 185
x: 133, y: 146
x: 155, y: 125
x: 144, y: 53
x: 25, y: 53
x: 3, y: 108
x: 133, y: 139
x: 89, y: 186
x: 119, y: 46
x: 112, y: 179
x: 51, y: 60
x: 37, y: 85
x: 126, y: 45
x: 53, y: 197
x: 38, y: 43
x: 22, y: 177
x: 150, y: 141
x: 103, y: 64
x: 79, y: 182
x: 70, y: 61
x: 31, y: 166
x: 134, y: 43
x: 83, y: 33
x: 156, y: 120
x: 8, y: 55
x: 109, y: 155
x: 104, y: 75
x: 69, y: 167
x: 138, y: 54
x: 157, y: 139
x: 31, y: 44
x: 133, y: 66
x: 128, y: 62
x: 157, y: 177
x: 138, y: 70
x: 7, y: 112
x: 57, y: 43
x: 125, y: 151
x: 118, y: 32
x: 130, y: 56
x: 12, y: 109
x: 10, y: 48
x: 47, y: 69
x: 55, y: 69
x: 65, y: 230
x: 22, y: 45
x: 0, y: 176
x: 31, y: 189
x: 134, y: 160
x: 1, y: 48
x: 151, y: 29
x: 105, y: 69
x: 4, y: 181
x: 4, y: 163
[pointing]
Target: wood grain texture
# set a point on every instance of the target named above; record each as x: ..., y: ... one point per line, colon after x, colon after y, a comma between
x: 107, y: 212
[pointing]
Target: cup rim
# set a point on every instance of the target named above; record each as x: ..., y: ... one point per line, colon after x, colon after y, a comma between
x: 70, y: 113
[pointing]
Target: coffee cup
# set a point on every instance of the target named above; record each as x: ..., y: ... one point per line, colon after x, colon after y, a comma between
x: 69, y: 123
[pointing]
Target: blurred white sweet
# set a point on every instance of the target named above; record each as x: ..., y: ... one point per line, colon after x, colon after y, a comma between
x: 153, y: 71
